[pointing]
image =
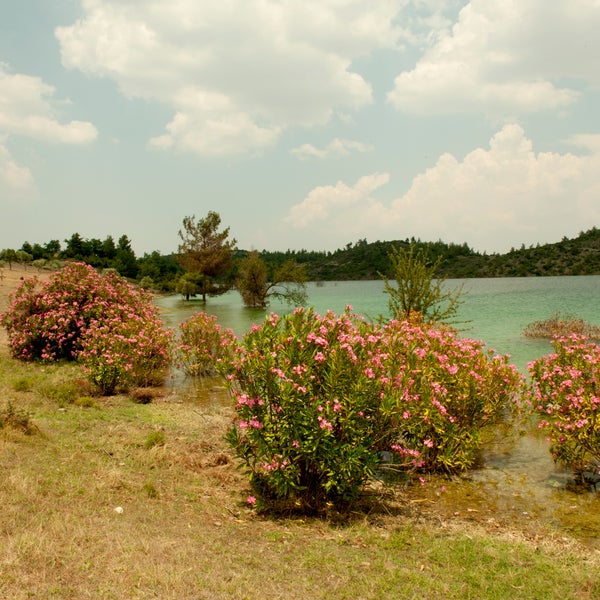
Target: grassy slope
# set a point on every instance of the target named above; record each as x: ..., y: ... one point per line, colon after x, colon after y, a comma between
x: 185, y: 531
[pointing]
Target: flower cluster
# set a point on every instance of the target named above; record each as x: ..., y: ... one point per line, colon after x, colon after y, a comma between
x: 321, y: 399
x: 439, y: 391
x: 101, y: 319
x: 566, y: 393
x: 203, y: 345
x: 126, y: 353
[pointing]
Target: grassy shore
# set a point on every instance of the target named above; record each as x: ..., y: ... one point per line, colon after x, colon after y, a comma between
x: 111, y: 498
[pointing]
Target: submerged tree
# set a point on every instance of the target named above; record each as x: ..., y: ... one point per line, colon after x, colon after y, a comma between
x: 418, y: 293
x: 207, y: 252
x: 287, y: 282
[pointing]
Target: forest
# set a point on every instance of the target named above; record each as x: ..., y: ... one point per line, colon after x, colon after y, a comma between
x: 361, y: 260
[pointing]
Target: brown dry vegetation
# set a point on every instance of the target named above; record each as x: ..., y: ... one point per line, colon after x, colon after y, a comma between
x: 562, y: 325
x: 112, y: 498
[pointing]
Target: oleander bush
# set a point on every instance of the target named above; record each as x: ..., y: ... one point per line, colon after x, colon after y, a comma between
x: 566, y: 393
x: 203, y: 345
x: 440, y: 392
x: 324, y: 403
x: 117, y: 353
x: 111, y: 326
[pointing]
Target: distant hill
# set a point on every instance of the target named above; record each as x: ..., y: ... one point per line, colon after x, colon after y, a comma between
x: 365, y: 260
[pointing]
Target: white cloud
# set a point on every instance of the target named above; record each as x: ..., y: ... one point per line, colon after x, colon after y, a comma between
x: 16, y: 180
x: 270, y: 65
x: 332, y: 203
x: 25, y: 109
x: 493, y: 199
x: 505, y: 58
x: 337, y: 148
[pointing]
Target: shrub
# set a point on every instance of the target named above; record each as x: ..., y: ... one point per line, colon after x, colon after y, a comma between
x: 112, y: 327
x: 118, y: 353
x: 203, y: 345
x: 307, y: 411
x: 439, y: 392
x: 562, y: 325
x: 419, y: 290
x: 322, y: 400
x: 566, y: 393
x: 46, y: 321
x: 16, y: 419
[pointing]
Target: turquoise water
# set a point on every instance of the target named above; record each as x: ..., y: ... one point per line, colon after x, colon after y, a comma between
x: 497, y: 310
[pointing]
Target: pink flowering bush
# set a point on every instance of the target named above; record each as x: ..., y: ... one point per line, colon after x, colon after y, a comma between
x: 134, y: 352
x: 322, y: 401
x: 439, y: 392
x: 307, y: 428
x: 78, y: 313
x: 203, y: 345
x: 566, y: 393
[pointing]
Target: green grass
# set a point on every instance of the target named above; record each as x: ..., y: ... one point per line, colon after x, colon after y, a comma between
x: 184, y: 531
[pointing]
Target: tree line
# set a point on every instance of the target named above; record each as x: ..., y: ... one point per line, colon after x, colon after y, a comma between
x: 209, y: 262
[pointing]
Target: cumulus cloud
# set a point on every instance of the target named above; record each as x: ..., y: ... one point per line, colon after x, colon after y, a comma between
x: 505, y: 58
x: 335, y: 207
x: 15, y: 179
x: 493, y: 198
x: 337, y: 148
x: 26, y: 109
x: 239, y: 70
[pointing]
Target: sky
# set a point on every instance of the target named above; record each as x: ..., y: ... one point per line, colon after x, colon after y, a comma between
x: 305, y: 124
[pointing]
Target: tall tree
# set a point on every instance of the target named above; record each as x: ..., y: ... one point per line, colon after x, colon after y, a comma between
x: 287, y: 282
x: 125, y: 261
x: 206, y: 251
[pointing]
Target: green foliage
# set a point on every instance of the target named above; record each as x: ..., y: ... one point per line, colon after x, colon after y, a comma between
x: 203, y: 345
x: 307, y: 430
x: 356, y: 261
x: 16, y: 419
x: 189, y: 284
x: 155, y: 438
x: 566, y: 393
x: 206, y: 251
x: 8, y: 255
x: 286, y: 282
x: 417, y: 293
x: 63, y: 393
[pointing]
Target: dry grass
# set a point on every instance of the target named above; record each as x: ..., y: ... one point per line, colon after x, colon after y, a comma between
x: 562, y: 325
x: 113, y: 498
x: 125, y: 500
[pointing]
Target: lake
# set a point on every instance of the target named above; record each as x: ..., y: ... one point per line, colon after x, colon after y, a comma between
x: 497, y: 310
x: 518, y: 483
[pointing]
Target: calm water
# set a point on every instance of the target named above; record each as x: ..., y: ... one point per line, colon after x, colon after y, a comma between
x: 497, y: 310
x: 518, y: 483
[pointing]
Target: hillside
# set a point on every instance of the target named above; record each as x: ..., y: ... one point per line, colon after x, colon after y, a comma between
x: 364, y: 260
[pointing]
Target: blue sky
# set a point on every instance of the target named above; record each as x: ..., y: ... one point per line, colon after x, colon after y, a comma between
x: 303, y: 123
